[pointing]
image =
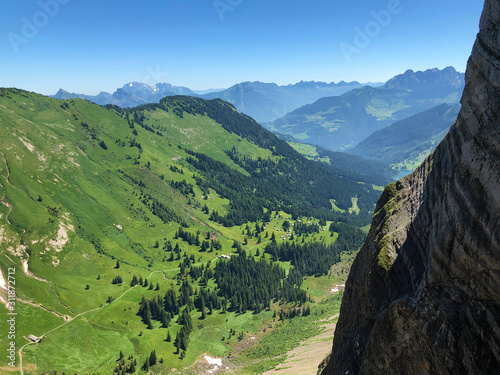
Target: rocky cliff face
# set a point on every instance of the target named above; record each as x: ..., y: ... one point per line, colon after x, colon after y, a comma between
x: 424, y: 292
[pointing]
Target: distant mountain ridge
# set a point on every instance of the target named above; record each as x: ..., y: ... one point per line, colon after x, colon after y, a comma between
x: 259, y: 100
x: 63, y: 95
x: 268, y: 101
x: 341, y: 122
x: 409, y: 139
x: 130, y: 95
x: 431, y: 79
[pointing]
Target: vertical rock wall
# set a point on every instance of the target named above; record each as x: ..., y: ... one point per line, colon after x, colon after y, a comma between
x: 423, y: 296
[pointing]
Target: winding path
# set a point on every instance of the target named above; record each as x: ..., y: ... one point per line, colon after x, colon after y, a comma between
x: 20, y: 352
x: 6, y: 166
x: 4, y: 201
x: 70, y: 320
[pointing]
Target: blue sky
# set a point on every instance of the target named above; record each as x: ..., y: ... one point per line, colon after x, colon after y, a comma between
x: 86, y: 46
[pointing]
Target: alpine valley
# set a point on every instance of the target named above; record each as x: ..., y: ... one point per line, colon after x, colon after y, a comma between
x: 161, y: 230
x: 339, y: 123
x: 142, y: 239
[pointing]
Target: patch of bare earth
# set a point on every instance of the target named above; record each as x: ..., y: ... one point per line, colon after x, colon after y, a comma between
x: 30, y: 367
x: 305, y: 358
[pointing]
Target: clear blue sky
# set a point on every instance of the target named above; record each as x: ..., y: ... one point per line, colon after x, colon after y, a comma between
x: 86, y: 46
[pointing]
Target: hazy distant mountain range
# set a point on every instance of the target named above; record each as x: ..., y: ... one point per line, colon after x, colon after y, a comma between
x: 261, y: 101
x: 268, y: 101
x: 409, y: 140
x: 341, y: 122
x: 341, y: 114
x: 131, y: 95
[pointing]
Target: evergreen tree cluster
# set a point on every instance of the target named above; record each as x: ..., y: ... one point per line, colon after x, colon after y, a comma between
x: 350, y: 237
x: 183, y: 187
x: 134, y: 143
x: 250, y: 284
x: 307, y: 181
x: 208, y: 274
x: 154, y: 309
x: 308, y: 259
x: 150, y: 361
x: 139, y: 120
x: 136, y: 281
x: 293, y: 312
x: 247, y: 196
x: 210, y: 246
x: 176, y: 169
x: 207, y: 299
x: 123, y: 366
x: 190, y: 238
x: 170, y: 302
x: 181, y: 304
x: 165, y: 213
x: 302, y: 228
x: 182, y: 338
x: 195, y: 272
x: 284, y: 185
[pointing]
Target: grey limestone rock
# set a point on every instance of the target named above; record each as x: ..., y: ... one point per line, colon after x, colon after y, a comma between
x: 423, y: 296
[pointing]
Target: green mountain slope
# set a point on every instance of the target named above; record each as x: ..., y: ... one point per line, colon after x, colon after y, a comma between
x: 368, y: 170
x: 95, y: 201
x: 409, y: 141
x: 341, y: 122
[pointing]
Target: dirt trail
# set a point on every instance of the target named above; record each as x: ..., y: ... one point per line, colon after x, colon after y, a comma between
x: 40, y: 306
x: 27, y: 272
x: 3, y: 200
x: 9, y: 206
x: 69, y: 320
x: 305, y: 358
x: 6, y: 166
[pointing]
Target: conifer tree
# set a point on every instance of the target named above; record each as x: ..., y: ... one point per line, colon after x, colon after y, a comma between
x: 152, y: 358
x: 145, y: 367
x: 177, y: 343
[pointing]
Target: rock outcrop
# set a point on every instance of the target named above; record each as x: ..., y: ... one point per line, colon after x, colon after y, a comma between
x: 423, y: 296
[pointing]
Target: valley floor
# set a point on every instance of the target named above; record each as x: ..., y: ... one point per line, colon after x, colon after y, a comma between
x: 305, y: 358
